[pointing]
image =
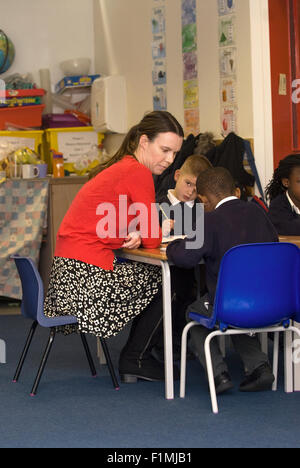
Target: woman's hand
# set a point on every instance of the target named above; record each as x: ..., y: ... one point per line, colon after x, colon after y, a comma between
x: 167, y: 227
x: 132, y: 241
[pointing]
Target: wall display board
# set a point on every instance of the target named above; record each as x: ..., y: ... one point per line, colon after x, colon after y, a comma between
x: 227, y: 66
x: 159, y: 56
x: 190, y: 67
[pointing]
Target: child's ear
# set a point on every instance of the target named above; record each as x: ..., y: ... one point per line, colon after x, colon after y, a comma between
x: 285, y: 182
x: 177, y: 175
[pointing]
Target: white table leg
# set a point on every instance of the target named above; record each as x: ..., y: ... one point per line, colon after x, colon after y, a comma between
x: 168, y: 342
x: 288, y: 362
x: 2, y: 352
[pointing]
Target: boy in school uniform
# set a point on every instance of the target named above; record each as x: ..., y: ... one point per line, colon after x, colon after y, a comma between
x: 228, y: 222
x: 177, y: 215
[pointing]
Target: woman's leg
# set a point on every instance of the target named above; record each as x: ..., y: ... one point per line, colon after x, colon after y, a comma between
x: 136, y: 361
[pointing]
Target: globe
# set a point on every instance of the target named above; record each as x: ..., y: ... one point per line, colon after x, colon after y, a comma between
x: 7, y: 52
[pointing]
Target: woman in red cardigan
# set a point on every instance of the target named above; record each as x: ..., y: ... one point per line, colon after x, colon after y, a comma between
x: 115, y: 209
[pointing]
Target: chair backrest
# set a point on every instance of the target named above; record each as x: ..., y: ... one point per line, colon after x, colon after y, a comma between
x: 32, y: 287
x: 258, y: 285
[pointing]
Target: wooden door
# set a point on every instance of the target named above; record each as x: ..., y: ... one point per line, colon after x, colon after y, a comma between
x: 284, y: 18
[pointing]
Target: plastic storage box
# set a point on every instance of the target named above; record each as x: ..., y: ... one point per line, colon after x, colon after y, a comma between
x: 72, y: 142
x: 75, y: 82
x: 18, y: 139
x: 25, y: 116
x: 61, y: 121
x: 22, y: 97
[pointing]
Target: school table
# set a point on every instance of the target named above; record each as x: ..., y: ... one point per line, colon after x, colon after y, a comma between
x: 158, y: 257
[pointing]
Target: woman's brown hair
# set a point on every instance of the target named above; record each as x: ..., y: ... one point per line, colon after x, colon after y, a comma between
x: 151, y: 125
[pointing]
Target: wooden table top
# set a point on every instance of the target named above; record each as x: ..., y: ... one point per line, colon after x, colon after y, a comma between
x: 161, y: 254
x: 150, y: 253
x: 292, y: 239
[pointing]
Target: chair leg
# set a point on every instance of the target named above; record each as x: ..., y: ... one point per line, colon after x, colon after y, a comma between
x: 275, y: 360
x: 109, y: 363
x: 2, y: 352
x: 25, y: 351
x: 88, y: 354
x: 210, y: 374
x: 43, y: 361
x: 183, y: 358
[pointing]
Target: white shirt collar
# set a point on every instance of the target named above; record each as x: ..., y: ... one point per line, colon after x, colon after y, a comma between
x: 225, y: 200
x: 294, y: 207
x: 174, y: 201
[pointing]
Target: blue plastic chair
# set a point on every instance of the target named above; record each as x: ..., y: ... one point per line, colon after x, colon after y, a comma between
x: 257, y: 292
x: 32, y: 307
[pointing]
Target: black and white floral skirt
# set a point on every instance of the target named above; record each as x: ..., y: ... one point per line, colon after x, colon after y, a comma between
x: 102, y: 301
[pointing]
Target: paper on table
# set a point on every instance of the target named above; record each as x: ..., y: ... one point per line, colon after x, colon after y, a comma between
x: 171, y: 238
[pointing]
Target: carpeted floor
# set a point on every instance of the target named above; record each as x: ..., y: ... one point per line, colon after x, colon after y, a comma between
x: 72, y: 409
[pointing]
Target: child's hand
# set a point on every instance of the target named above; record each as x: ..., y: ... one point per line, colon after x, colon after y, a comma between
x: 167, y: 227
x: 132, y: 241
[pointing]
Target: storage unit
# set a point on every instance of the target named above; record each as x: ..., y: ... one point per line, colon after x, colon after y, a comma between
x: 62, y: 192
x: 32, y: 139
x: 73, y: 142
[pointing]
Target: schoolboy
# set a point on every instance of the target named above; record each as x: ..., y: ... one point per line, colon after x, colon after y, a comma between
x: 228, y: 222
x: 183, y: 199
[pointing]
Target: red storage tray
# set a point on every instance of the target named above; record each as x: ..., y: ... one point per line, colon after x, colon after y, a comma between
x: 27, y: 116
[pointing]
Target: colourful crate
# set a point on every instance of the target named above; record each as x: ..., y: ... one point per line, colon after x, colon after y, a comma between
x: 24, y: 117
x: 32, y: 139
x: 54, y: 136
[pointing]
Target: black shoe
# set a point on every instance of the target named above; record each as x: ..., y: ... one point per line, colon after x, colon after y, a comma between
x: 223, y: 383
x: 260, y: 380
x: 145, y: 369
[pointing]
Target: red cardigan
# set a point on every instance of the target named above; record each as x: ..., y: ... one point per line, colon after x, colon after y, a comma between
x: 98, y: 219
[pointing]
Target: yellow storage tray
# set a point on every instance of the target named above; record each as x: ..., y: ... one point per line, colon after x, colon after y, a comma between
x: 72, y: 142
x: 32, y: 139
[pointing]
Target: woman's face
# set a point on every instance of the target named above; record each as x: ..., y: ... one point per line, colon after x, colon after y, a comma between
x: 158, y: 154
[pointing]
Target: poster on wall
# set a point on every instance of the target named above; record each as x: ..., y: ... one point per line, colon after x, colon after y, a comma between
x: 190, y: 67
x: 191, y: 94
x: 229, y: 120
x: 228, y: 66
x: 228, y: 91
x: 226, y: 7
x: 159, y: 72
x: 159, y: 54
x: 227, y: 31
x: 160, y: 98
x: 228, y: 61
x: 191, y: 119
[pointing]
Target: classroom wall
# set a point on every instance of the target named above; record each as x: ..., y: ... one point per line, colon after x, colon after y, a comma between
x: 123, y: 46
x: 47, y: 32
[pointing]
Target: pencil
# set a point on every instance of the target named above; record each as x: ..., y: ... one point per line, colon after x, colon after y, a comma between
x: 167, y: 217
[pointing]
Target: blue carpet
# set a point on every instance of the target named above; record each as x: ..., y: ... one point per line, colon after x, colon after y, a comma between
x: 72, y: 409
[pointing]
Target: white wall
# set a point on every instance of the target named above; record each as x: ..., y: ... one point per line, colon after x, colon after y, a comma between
x: 123, y: 46
x: 46, y: 32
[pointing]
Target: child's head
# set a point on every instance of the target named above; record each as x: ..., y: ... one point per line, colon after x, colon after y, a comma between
x: 213, y: 185
x: 286, y: 178
x: 186, y: 177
